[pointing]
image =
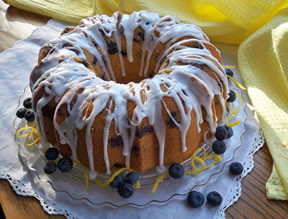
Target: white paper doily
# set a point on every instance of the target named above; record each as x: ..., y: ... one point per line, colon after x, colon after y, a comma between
x: 16, y: 64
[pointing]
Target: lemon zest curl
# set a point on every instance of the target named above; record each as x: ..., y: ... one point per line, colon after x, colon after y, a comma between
x: 32, y: 136
x: 233, y: 111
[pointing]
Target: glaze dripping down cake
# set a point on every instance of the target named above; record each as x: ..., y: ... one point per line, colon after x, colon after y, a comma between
x: 138, y: 90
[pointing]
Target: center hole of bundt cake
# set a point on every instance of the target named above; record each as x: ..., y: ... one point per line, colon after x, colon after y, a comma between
x: 126, y: 64
x: 125, y: 70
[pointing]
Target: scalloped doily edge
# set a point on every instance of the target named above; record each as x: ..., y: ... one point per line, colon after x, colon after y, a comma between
x: 248, y: 165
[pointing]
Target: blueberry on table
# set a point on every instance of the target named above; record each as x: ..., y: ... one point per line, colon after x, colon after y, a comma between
x: 229, y: 72
x: 214, y: 198
x: 236, y: 168
x: 65, y: 164
x: 131, y: 178
x: 229, y: 132
x: 21, y: 113
x: 29, y: 116
x: 125, y: 190
x: 176, y: 170
x: 221, y: 133
x: 51, y: 153
x: 116, y: 181
x: 219, y: 147
x: 195, y: 199
x: 27, y: 103
x: 50, y: 167
x: 232, y: 96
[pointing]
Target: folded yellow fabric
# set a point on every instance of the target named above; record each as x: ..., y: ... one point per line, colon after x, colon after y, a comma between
x: 274, y: 188
x: 263, y: 64
x: 224, y: 21
x: 70, y: 11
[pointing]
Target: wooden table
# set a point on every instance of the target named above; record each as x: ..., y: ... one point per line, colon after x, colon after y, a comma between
x: 16, y: 24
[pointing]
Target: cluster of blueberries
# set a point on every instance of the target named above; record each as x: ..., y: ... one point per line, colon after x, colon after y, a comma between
x: 64, y: 164
x: 196, y: 199
x: 124, y: 184
x: 222, y: 133
x: 232, y: 95
x: 26, y: 112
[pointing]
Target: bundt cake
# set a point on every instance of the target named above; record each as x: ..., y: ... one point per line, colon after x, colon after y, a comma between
x: 137, y: 90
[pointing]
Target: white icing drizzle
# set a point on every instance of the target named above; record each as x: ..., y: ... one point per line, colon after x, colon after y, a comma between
x: 187, y: 84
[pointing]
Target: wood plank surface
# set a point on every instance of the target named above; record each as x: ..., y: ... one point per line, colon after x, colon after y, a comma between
x: 15, y: 206
x: 16, y: 24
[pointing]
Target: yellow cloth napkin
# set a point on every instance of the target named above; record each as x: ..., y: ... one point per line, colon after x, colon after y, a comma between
x: 224, y: 21
x: 263, y: 62
x: 261, y: 57
x: 70, y: 11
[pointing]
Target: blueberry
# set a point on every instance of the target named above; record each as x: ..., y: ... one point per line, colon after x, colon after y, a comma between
x: 29, y: 116
x: 21, y: 113
x: 229, y: 132
x: 131, y: 178
x: 176, y: 170
x: 65, y: 164
x: 219, y: 147
x: 236, y: 168
x: 27, y: 103
x: 195, y: 199
x: 229, y: 72
x: 232, y: 96
x: 51, y: 153
x: 50, y: 167
x: 125, y: 190
x: 214, y: 198
x: 221, y: 133
x: 116, y: 181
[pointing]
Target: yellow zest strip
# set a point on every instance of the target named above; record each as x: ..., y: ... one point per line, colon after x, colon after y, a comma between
x: 204, y: 153
x: 137, y: 185
x: 229, y: 66
x: 77, y: 163
x: 25, y: 135
x: 188, y: 172
x: 158, y: 180
x: 233, y: 123
x: 199, y: 149
x: 217, y: 158
x: 43, y: 153
x: 33, y: 131
x: 194, y: 156
x: 232, y: 112
x: 201, y: 160
x: 99, y: 183
x: 85, y: 175
x: 237, y: 83
x: 230, y: 109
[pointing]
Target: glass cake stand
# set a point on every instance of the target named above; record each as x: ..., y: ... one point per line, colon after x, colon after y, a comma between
x: 73, y: 183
